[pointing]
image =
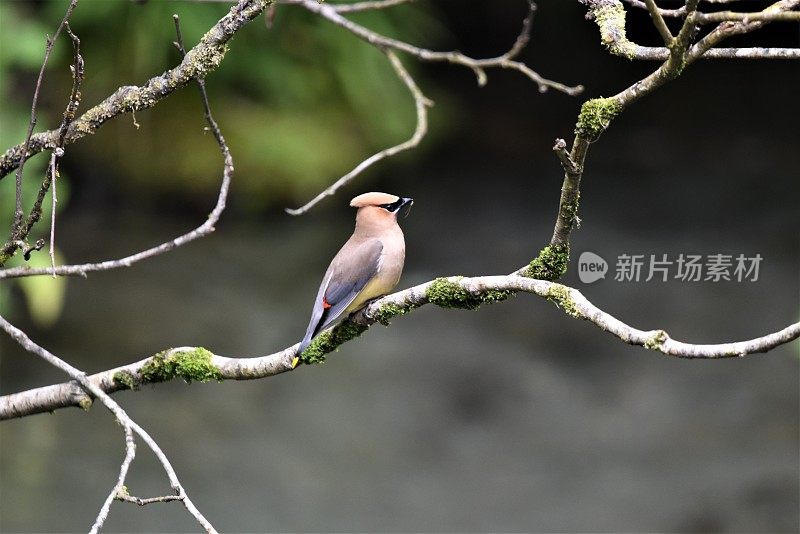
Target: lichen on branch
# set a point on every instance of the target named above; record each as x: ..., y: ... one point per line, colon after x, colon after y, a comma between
x: 596, y: 116
x: 446, y: 293
x: 550, y: 264
x: 192, y: 365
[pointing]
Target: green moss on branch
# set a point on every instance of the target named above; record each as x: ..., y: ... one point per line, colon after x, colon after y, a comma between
x: 562, y: 297
x: 609, y: 15
x: 447, y: 294
x: 389, y: 311
x: 550, y: 264
x: 595, y: 116
x: 125, y: 380
x: 191, y: 365
x: 656, y: 340
x: 329, y: 340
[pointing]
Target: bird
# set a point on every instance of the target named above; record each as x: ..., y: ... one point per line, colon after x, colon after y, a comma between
x: 367, y: 266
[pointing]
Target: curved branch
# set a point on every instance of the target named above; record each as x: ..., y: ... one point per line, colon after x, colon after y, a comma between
x: 332, y: 12
x: 194, y: 363
x: 204, y: 229
x: 504, y: 61
x: 421, y: 102
x: 368, y: 5
x: 200, y: 61
x: 89, y: 387
x: 16, y: 228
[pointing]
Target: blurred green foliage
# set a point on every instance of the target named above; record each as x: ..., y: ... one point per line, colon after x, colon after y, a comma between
x: 300, y: 104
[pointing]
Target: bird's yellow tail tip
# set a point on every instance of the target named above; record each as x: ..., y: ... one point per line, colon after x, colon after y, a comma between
x: 295, y: 361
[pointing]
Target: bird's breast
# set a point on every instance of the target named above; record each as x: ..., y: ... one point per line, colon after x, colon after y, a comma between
x: 390, y: 268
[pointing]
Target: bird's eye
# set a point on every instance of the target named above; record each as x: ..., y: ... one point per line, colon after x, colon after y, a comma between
x: 394, y: 206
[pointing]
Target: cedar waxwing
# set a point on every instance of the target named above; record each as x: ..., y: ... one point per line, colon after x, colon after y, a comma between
x: 366, y: 267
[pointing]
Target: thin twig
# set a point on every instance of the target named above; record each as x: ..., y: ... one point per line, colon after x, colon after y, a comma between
x: 203, y: 230
x: 77, y: 69
x: 680, y: 12
x: 421, y: 103
x: 724, y: 30
x: 659, y: 22
x: 130, y: 454
x: 150, y: 500
x: 372, y: 5
x: 613, y: 35
x: 201, y: 60
x: 387, y: 45
x: 567, y: 163
x: 724, y: 16
x: 53, y: 178
x: 92, y: 389
x: 18, y: 213
x: 478, y: 66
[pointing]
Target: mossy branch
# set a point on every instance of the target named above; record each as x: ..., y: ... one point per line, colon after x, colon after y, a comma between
x: 597, y: 114
x: 200, y: 61
x: 196, y: 364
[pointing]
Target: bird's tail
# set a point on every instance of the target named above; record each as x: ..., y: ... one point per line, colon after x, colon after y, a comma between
x: 305, y: 343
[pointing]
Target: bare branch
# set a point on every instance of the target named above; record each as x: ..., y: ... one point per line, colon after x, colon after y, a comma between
x: 505, y: 61
x: 659, y: 23
x: 204, y: 229
x: 674, y: 13
x: 560, y: 148
x: 130, y: 454
x: 200, y: 61
x: 680, y: 12
x: 421, y: 103
x: 357, y: 7
x: 16, y: 228
x: 723, y: 16
x: 387, y: 45
x: 53, y: 173
x: 612, y: 31
x: 470, y: 292
x: 727, y: 29
x: 151, y: 500
x: 91, y: 388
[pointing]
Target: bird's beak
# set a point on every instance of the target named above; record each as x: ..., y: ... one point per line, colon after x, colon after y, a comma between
x: 407, y: 203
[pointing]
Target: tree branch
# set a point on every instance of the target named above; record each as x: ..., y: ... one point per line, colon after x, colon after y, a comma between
x: 658, y: 22
x: 372, y: 5
x: 198, y: 364
x: 199, y: 62
x: 204, y: 229
x: 723, y: 16
x: 504, y: 61
x: 90, y: 388
x: 332, y: 12
x: 610, y: 18
x: 727, y: 29
x: 130, y: 454
x: 680, y: 12
x: 16, y: 228
x: 86, y: 390
x: 421, y: 102
x: 597, y: 114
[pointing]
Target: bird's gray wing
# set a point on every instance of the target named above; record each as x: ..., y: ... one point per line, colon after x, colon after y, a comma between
x: 345, y: 279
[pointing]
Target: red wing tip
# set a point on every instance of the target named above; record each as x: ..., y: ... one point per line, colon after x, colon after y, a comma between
x: 325, y: 303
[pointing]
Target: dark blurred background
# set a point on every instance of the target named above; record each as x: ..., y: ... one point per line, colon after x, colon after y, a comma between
x: 513, y: 418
